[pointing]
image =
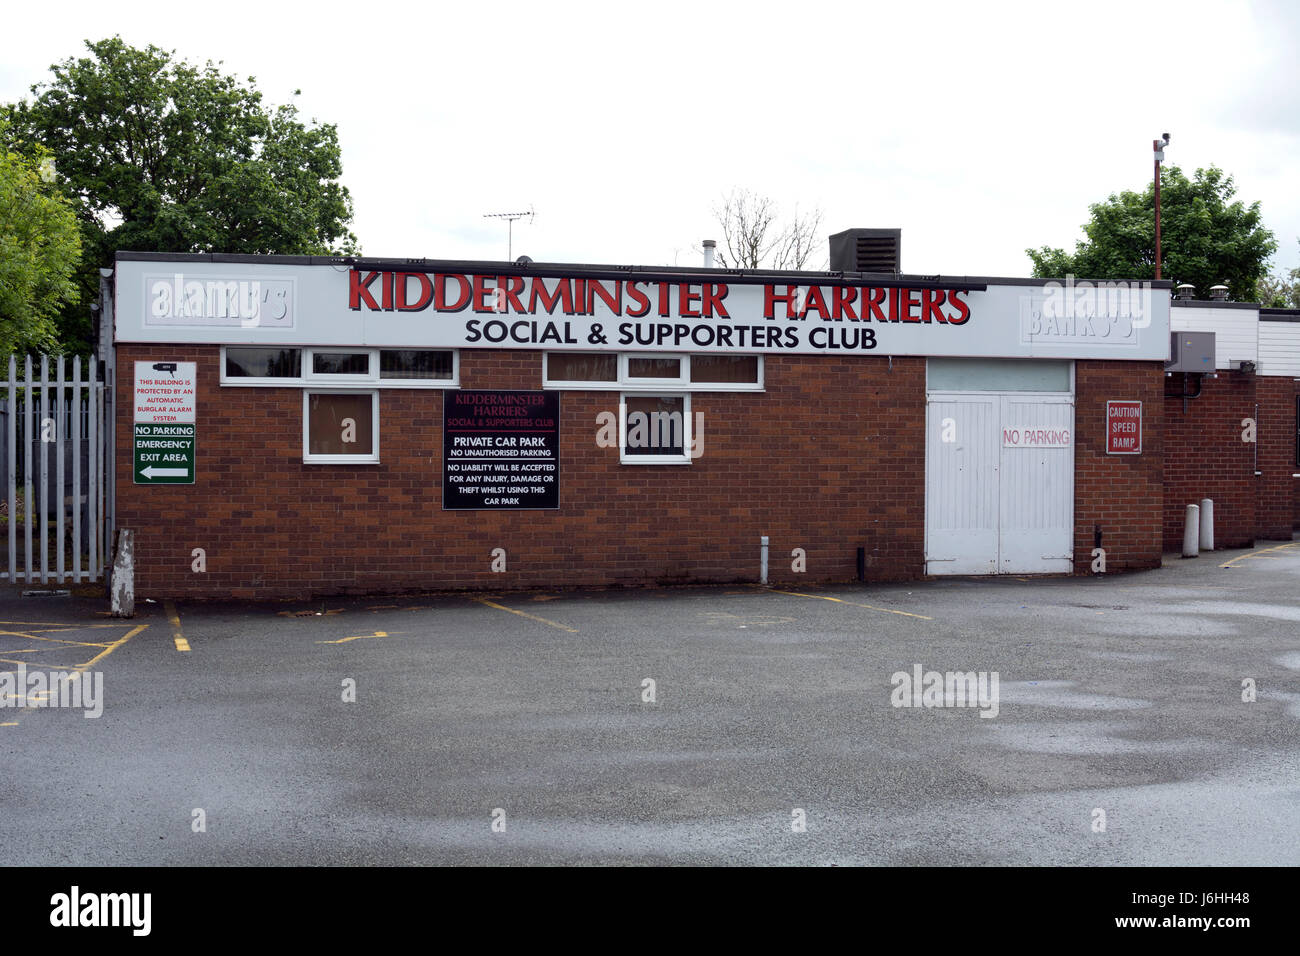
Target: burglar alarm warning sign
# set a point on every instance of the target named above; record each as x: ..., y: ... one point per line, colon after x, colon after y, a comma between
x: 163, y: 437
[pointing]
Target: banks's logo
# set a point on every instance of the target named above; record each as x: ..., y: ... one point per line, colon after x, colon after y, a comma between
x: 1087, y: 312
x: 219, y: 301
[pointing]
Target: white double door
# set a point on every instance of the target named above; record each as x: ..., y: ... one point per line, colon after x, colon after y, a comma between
x: 999, y: 483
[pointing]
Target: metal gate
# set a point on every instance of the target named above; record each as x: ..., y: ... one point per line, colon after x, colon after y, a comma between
x: 999, y: 490
x: 56, y: 456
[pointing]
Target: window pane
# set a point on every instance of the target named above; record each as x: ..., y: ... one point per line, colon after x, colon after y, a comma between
x: 654, y: 368
x: 414, y: 363
x: 997, y: 375
x: 340, y: 363
x: 581, y: 367
x: 656, y: 425
x: 263, y: 363
x: 725, y: 368
x: 340, y: 425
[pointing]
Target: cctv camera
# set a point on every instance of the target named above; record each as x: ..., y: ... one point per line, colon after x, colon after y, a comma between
x: 1166, y: 138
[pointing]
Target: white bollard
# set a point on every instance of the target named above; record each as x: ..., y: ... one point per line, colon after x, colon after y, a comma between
x: 763, y: 560
x: 1207, y: 524
x: 1191, y: 532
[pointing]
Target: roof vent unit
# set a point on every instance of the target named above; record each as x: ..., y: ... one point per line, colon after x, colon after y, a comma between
x: 1191, y: 352
x: 866, y: 250
x: 1218, y: 293
x: 1184, y: 292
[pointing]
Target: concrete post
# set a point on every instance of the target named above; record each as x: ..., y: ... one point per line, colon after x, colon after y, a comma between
x: 123, y: 586
x: 1191, y: 532
x: 1207, y: 524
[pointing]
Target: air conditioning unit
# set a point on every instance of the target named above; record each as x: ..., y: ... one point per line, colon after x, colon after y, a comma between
x: 1190, y: 352
x: 866, y: 250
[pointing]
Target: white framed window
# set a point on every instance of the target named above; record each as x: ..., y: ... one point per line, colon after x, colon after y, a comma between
x: 340, y: 426
x: 580, y: 369
x: 951, y: 375
x: 340, y: 365
x: 419, y: 368
x: 627, y: 371
x: 723, y: 372
x: 638, y: 368
x: 302, y: 366
x: 260, y: 365
x: 654, y: 428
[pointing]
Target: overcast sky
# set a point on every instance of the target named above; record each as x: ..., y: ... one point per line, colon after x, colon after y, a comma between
x: 979, y: 129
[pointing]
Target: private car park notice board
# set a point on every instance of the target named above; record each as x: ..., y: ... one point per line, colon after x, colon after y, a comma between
x: 500, y: 450
x: 164, y: 439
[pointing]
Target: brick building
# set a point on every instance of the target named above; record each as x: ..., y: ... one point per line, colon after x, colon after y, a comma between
x: 292, y: 426
x: 1231, y: 432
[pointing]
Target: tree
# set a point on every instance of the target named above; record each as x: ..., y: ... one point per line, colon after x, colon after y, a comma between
x: 163, y: 156
x: 754, y: 238
x: 1205, y: 238
x: 1281, y: 291
x: 40, y: 249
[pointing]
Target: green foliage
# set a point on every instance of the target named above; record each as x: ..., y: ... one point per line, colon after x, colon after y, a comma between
x: 1281, y: 291
x: 1205, y: 238
x: 40, y: 249
x: 164, y: 156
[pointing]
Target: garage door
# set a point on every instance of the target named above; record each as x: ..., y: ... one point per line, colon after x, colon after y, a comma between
x: 999, y: 493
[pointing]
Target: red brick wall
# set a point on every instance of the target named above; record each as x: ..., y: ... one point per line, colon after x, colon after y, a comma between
x: 1277, y: 456
x: 1205, y: 457
x: 831, y: 457
x: 1122, y: 493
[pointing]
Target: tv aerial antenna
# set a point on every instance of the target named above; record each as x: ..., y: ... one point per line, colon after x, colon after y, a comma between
x: 510, y: 218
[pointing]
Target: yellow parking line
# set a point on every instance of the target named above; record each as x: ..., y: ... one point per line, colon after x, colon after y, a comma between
x: 177, y: 637
x: 111, y: 648
x: 531, y: 617
x: 1258, y: 554
x: 53, y: 640
x: 64, y: 625
x: 78, y: 669
x: 108, y: 649
x: 359, y: 637
x: 872, y: 607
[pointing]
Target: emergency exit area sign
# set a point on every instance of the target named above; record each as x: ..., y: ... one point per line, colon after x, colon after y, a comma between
x: 1123, y: 428
x: 164, y: 439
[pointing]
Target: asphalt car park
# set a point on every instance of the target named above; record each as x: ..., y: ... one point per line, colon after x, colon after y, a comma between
x: 715, y: 725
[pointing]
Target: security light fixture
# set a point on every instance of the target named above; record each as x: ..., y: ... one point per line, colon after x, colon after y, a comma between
x: 1158, y: 145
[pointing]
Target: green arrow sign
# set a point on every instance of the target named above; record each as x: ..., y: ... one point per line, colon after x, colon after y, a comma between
x: 164, y: 454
